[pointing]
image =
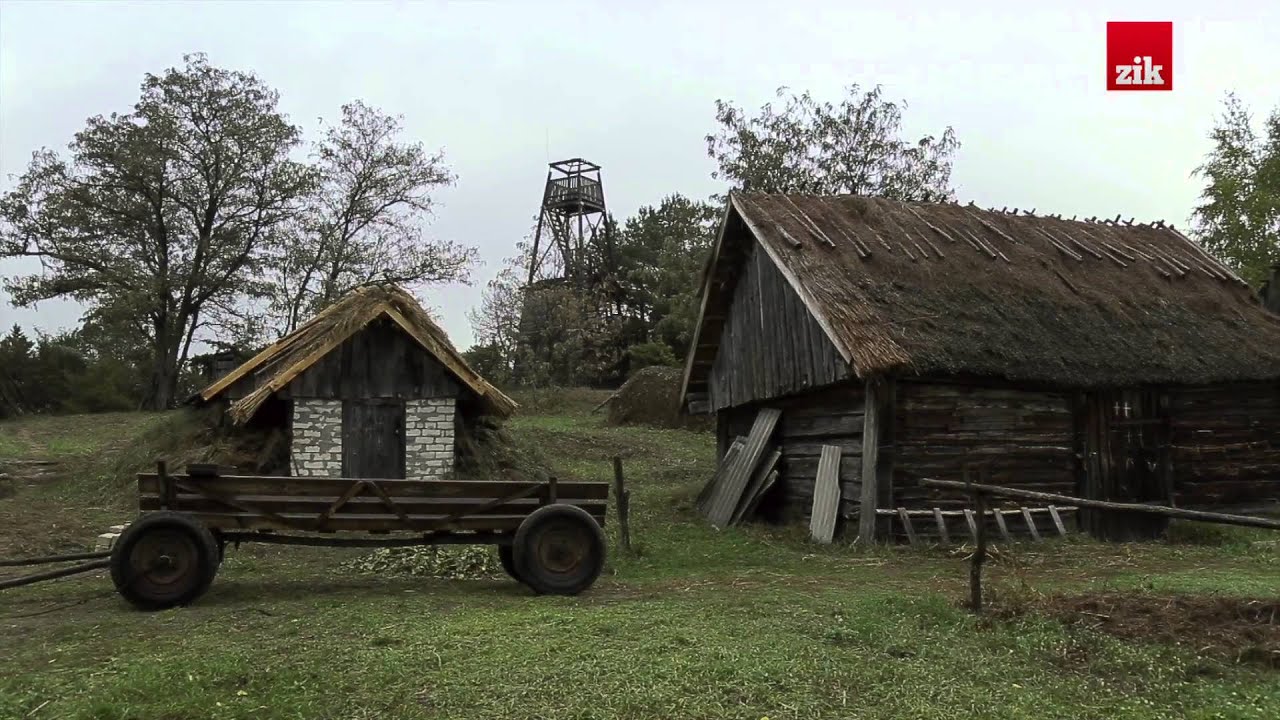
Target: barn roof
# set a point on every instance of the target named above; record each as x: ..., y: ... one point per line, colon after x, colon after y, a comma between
x: 288, y: 357
x: 946, y: 289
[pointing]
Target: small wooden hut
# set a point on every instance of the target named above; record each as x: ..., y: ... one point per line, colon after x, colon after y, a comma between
x: 1100, y: 359
x: 369, y: 387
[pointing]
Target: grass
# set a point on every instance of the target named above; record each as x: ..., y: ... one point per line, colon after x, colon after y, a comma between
x: 69, y: 437
x: 746, y: 623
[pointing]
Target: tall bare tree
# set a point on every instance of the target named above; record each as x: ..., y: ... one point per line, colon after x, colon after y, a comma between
x: 161, y: 211
x: 365, y: 220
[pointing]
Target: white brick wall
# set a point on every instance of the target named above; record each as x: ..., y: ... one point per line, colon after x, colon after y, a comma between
x: 317, y: 438
x: 428, y: 441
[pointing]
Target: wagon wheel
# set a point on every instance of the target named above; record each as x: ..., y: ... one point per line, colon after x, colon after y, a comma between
x: 559, y: 550
x: 163, y: 560
x: 506, y: 556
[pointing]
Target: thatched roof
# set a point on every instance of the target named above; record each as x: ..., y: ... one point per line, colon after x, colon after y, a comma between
x: 287, y: 358
x: 945, y: 289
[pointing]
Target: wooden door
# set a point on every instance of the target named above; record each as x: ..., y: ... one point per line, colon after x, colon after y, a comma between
x: 373, y: 438
x: 1127, y: 439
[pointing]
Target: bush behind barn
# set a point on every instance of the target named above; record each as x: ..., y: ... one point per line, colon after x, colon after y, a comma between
x: 652, y: 397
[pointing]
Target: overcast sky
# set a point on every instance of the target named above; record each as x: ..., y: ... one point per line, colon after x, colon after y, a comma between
x: 504, y: 87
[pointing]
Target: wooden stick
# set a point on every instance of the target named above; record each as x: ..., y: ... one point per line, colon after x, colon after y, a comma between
x: 973, y: 527
x: 1057, y: 521
x: 979, y: 552
x: 1004, y: 529
x: 906, y: 525
x: 51, y: 574
x: 1182, y: 513
x: 622, y: 500
x: 1031, y: 523
x: 942, y: 526
x: 53, y: 559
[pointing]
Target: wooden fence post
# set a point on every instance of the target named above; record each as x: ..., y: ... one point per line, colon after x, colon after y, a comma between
x: 979, y: 552
x: 622, y: 501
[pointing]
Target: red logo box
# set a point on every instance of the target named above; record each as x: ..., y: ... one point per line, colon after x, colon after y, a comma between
x: 1139, y: 56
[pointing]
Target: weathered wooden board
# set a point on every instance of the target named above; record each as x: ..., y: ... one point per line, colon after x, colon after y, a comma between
x: 764, y: 489
x: 769, y: 345
x: 149, y: 484
x: 347, y: 504
x: 379, y: 361
x: 373, y: 442
x: 725, y: 496
x: 755, y: 488
x: 870, y: 456
x: 826, y: 496
x: 726, y: 463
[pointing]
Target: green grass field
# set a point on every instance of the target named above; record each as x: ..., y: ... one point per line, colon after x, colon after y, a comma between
x: 746, y: 623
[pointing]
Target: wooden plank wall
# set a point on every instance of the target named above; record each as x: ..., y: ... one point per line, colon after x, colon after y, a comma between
x: 830, y: 416
x: 1226, y: 445
x: 938, y: 427
x: 770, y: 345
x: 379, y: 361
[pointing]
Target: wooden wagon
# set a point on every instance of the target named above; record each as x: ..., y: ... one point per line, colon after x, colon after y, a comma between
x: 548, y: 533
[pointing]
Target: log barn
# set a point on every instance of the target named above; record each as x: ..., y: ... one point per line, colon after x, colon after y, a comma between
x: 1099, y: 359
x: 370, y: 387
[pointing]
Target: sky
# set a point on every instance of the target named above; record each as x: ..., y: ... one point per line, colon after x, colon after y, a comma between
x: 504, y: 87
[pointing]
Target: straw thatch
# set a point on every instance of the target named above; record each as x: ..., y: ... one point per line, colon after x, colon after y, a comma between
x: 273, y: 368
x: 945, y: 289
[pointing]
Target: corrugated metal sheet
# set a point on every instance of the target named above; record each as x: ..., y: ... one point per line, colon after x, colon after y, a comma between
x: 826, y: 495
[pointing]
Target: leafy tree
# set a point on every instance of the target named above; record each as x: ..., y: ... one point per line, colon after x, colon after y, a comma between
x: 1238, y: 217
x: 815, y: 147
x: 662, y: 250
x: 161, y: 211
x: 364, y: 222
x: 649, y: 354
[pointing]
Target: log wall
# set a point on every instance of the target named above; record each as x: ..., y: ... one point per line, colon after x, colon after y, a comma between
x: 832, y: 416
x: 1226, y: 445
x: 1026, y: 435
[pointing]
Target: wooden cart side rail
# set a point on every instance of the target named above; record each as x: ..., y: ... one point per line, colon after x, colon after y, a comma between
x: 149, y: 483
x: 371, y: 523
x: 319, y: 507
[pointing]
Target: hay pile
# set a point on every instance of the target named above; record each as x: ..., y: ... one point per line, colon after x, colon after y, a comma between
x: 188, y: 435
x: 488, y: 451
x: 652, y: 397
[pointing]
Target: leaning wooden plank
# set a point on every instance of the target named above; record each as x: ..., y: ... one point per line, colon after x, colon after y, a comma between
x: 1057, y: 520
x: 751, y: 496
x: 725, y: 496
x: 973, y: 526
x: 704, y: 496
x: 1031, y: 524
x: 764, y: 489
x: 826, y: 496
x: 906, y: 525
x: 942, y: 526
